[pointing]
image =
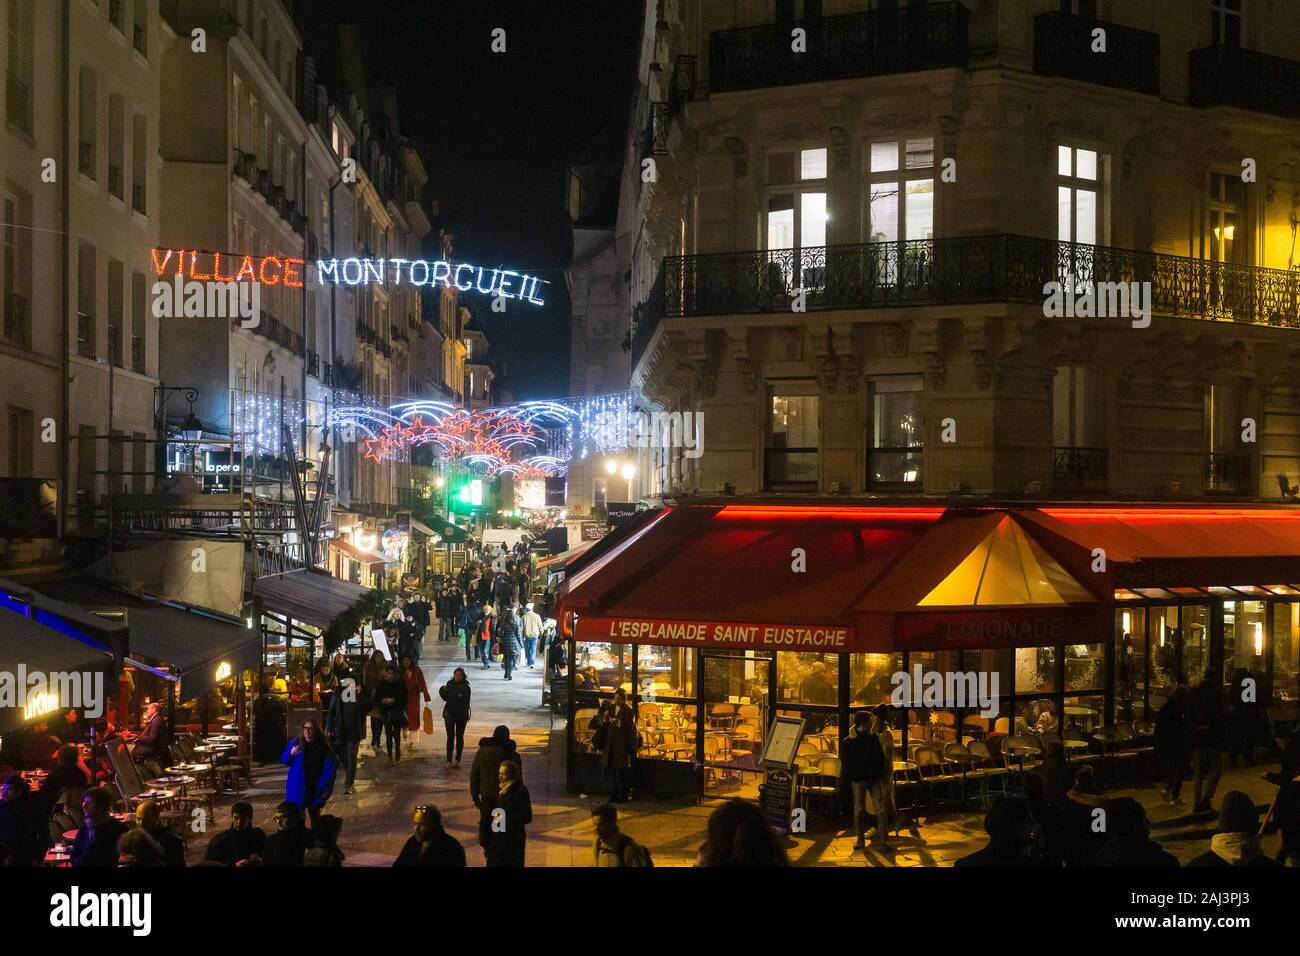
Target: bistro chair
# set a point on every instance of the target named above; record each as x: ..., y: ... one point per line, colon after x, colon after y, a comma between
x: 747, y: 737
x: 935, y: 772
x: 1139, y: 751
x: 823, y: 780
x: 1018, y: 753
x: 722, y: 715
x: 957, y: 755
x: 991, y: 773
x: 907, y: 783
x: 748, y: 712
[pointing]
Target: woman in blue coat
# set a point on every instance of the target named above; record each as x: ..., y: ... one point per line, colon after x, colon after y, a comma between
x: 312, y: 766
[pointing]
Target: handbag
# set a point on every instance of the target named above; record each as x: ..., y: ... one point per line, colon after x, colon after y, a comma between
x: 428, y: 720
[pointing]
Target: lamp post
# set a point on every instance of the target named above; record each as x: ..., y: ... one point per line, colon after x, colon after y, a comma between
x: 627, y: 469
x: 191, y: 424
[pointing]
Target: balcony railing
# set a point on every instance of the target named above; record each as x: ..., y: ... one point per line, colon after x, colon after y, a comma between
x: 85, y: 331
x: 654, y: 139
x: 681, y: 90
x: 1231, y: 76
x: 86, y: 158
x: 917, y: 37
x: 962, y: 269
x: 1080, y: 469
x: 18, y: 326
x: 1227, y: 472
x: 1063, y: 47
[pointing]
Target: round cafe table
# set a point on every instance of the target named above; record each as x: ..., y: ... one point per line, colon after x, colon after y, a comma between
x: 180, y: 781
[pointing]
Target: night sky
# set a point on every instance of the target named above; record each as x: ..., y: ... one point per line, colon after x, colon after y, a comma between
x: 497, y: 132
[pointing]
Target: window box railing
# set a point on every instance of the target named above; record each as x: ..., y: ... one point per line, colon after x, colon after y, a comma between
x: 18, y: 326
x: 86, y: 158
x: 916, y: 37
x: 654, y: 139
x: 1063, y: 47
x: 1231, y: 76
x: 961, y: 269
x: 85, y: 331
x: 1080, y: 469
x: 1227, y: 472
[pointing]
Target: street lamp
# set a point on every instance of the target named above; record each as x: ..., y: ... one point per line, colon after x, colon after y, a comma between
x: 629, y: 472
x: 191, y: 428
x: 611, y: 466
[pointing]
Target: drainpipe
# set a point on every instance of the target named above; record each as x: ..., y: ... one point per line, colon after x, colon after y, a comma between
x: 65, y: 244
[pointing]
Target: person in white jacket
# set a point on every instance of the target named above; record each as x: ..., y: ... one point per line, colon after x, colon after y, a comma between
x: 532, y: 622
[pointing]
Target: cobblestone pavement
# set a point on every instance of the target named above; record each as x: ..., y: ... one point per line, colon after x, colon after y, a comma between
x: 377, y: 817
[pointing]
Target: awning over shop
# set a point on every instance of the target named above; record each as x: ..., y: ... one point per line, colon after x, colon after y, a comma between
x: 31, y: 648
x: 199, y: 647
x: 558, y: 562
x: 310, y: 596
x: 773, y: 577
x: 979, y: 580
x: 64, y: 618
x: 1161, y: 546
x: 358, y: 554
x: 436, y: 525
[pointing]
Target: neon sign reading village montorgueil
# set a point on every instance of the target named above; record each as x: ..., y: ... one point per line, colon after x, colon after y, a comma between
x: 505, y: 283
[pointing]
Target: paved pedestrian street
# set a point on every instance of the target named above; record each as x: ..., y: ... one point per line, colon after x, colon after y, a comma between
x: 377, y: 817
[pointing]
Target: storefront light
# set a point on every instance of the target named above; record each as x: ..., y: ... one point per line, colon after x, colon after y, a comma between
x: 1128, y: 623
x: 629, y: 472
x: 1259, y: 639
x: 611, y: 466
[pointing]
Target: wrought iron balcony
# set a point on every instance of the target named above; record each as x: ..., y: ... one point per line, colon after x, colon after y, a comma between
x: 1231, y: 76
x: 313, y: 363
x: 654, y: 141
x: 681, y: 89
x: 1227, y: 472
x: 18, y: 326
x: 917, y: 37
x: 1080, y: 469
x: 962, y: 269
x: 1063, y: 47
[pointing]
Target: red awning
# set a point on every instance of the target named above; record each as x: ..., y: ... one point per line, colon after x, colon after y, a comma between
x: 743, y: 575
x: 1157, y: 547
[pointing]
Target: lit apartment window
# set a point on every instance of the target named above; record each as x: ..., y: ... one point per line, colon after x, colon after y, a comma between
x: 1225, y: 23
x: 897, y: 432
x: 1077, y: 184
x: 18, y: 72
x: 900, y: 206
x: 1227, y: 202
x: 796, y: 217
x: 793, y: 430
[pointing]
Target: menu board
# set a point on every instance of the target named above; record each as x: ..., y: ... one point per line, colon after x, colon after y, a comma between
x: 776, y: 796
x: 783, y: 742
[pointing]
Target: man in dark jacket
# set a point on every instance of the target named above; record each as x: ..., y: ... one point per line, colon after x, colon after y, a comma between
x: 863, y: 765
x: 1010, y: 829
x: 241, y: 845
x: 1209, y: 740
x: 1128, y: 838
x: 96, y: 843
x: 484, y: 780
x: 22, y: 821
x: 152, y: 739
x: 1174, y: 742
x: 288, y: 844
x: 430, y: 844
x: 345, y: 725
x: 506, y: 628
x: 507, y: 837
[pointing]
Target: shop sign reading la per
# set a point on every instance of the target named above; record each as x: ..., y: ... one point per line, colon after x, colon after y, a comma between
x: 352, y: 271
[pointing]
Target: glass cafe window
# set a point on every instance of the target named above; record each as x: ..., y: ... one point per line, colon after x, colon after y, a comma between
x: 605, y: 667
x: 871, y: 678
x: 1130, y: 663
x: 667, y: 730
x: 793, y: 435
x: 1286, y: 651
x: 1085, y: 666
x: 807, y: 678
x: 665, y: 671
x: 897, y: 431
x: 1244, y: 624
x: 1035, y: 670
x: 1194, y: 632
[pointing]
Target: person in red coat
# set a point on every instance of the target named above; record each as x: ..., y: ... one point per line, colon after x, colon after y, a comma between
x: 417, y: 694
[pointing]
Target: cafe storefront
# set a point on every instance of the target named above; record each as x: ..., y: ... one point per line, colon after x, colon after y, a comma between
x: 717, y: 617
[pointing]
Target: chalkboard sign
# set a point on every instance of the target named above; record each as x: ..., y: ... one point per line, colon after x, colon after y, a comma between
x: 559, y: 694
x: 776, y: 796
x: 717, y: 686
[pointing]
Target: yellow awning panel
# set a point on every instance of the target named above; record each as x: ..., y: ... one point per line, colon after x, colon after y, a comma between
x: 1007, y: 568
